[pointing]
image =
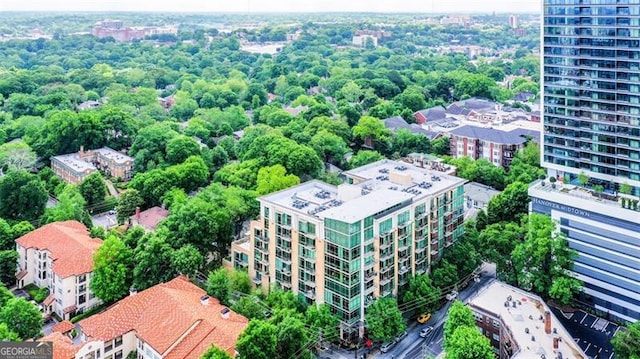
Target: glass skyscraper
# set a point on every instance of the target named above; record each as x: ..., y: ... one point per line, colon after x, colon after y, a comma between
x: 591, y: 84
x: 591, y: 118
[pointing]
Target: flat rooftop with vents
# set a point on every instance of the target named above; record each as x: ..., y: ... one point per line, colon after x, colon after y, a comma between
x: 369, y: 190
x: 526, y: 319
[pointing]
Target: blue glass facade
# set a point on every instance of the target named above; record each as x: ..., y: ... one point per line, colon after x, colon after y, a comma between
x: 591, y: 89
x: 608, y: 256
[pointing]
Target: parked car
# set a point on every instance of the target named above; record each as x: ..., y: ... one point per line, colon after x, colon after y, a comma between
x: 385, y: 347
x: 401, y: 336
x: 453, y: 295
x: 426, y: 331
x: 424, y: 317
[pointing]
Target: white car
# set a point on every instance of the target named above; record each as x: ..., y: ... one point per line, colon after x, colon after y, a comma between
x: 426, y: 331
x: 453, y: 295
x: 386, y: 346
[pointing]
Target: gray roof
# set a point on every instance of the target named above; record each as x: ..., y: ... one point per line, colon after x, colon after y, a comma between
x: 513, y: 137
x: 479, y: 192
x: 434, y: 113
x: 477, y: 104
x: 397, y: 123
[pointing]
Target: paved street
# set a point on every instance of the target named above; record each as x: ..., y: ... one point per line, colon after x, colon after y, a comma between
x: 104, y: 220
x: 591, y: 333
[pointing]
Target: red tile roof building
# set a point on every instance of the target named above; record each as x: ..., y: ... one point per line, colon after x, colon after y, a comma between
x: 173, y: 320
x: 59, y: 256
x: 149, y: 218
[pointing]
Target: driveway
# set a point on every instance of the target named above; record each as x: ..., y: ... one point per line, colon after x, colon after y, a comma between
x: 105, y: 220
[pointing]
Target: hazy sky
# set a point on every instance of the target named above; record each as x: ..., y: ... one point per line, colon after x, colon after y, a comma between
x: 422, y: 6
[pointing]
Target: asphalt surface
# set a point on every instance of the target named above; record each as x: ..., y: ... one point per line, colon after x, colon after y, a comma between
x: 105, y: 220
x: 591, y: 333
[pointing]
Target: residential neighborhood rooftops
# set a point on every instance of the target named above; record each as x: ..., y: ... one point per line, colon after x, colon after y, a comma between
x: 69, y: 244
x: 75, y: 162
x: 524, y: 314
x: 396, y: 123
x: 62, y: 345
x: 177, y: 319
x: 479, y: 192
x: 434, y: 113
x: 514, y: 137
x: 117, y: 157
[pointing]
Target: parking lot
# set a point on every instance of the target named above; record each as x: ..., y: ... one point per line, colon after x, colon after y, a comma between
x: 591, y: 333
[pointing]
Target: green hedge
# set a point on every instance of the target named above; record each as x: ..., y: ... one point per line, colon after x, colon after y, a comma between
x: 88, y: 313
x: 37, y: 294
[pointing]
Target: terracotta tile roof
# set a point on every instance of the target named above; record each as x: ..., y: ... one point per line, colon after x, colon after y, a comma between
x: 62, y: 346
x: 49, y: 299
x: 70, y: 309
x: 69, y: 244
x: 150, y: 218
x: 63, y: 327
x: 164, y: 313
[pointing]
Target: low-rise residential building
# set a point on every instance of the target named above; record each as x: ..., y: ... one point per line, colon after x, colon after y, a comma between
x: 478, y: 195
x: 59, y: 256
x: 148, y: 219
x: 362, y: 40
x: 398, y: 123
x: 172, y: 320
x: 496, y: 146
x: 73, y: 168
x: 520, y: 325
x: 346, y: 245
x: 437, y: 113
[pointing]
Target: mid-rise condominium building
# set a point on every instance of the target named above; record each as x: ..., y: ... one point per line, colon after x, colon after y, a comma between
x: 349, y: 244
x: 591, y: 141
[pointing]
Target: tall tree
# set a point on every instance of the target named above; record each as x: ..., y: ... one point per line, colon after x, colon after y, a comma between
x: 128, y: 201
x: 384, y: 319
x: 6, y: 334
x: 274, y: 178
x: 422, y: 296
x: 292, y: 339
x: 70, y: 207
x: 17, y: 155
x: 93, y: 188
x: 187, y: 260
x: 180, y: 148
x: 8, y: 265
x: 22, y: 196
x: 319, y: 319
x: 467, y: 342
x: 249, y: 307
x: 112, y: 270
x: 152, y: 260
x: 6, y: 236
x: 219, y: 285
x: 364, y: 157
x: 459, y: 315
x: 258, y: 341
x: 509, y: 205
x: 22, y: 318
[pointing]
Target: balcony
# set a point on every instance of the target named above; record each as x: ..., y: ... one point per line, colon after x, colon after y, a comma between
x: 386, y: 281
x: 311, y: 294
x: 256, y: 280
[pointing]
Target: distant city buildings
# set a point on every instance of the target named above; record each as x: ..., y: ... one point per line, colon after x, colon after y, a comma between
x: 591, y: 146
x: 121, y: 33
x: 59, y: 256
x: 520, y: 325
x: 349, y: 244
x: 73, y: 168
x: 363, y: 40
x: 514, y: 21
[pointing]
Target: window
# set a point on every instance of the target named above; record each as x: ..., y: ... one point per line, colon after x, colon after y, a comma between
x: 496, y: 324
x: 496, y: 337
x: 118, y: 355
x: 118, y: 342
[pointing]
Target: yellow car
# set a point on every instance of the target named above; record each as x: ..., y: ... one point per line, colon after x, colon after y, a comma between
x: 424, y: 317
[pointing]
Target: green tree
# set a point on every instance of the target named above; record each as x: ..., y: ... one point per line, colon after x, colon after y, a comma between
x: 445, y: 274
x: 180, y: 148
x: 459, y: 315
x: 274, y: 178
x: 6, y: 334
x: 17, y: 155
x: 563, y: 289
x: 258, y: 341
x: 6, y: 236
x: 187, y: 260
x: 384, y: 319
x: 330, y: 147
x: 112, y: 270
x: 626, y: 343
x: 22, y: 318
x: 128, y: 201
x: 440, y: 146
x: 219, y: 285
x: 8, y: 265
x: 215, y: 353
x: 364, y: 157
x: 422, y: 296
x: 404, y: 142
x: 70, y: 207
x: 21, y: 228
x: 5, y: 295
x: 93, y: 188
x: 249, y: 307
x: 152, y: 262
x: 371, y: 128
x: 467, y: 342
x: 509, y: 205
x: 320, y: 319
x: 240, y: 281
x: 292, y: 339
x: 22, y: 196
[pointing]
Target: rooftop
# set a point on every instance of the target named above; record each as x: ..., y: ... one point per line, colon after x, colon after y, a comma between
x: 150, y: 218
x: 397, y: 123
x: 479, y: 192
x: 376, y: 187
x: 117, y: 157
x: 75, y: 162
x: 176, y: 318
x: 62, y: 345
x: 514, y: 137
x: 523, y: 313
x: 69, y: 244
